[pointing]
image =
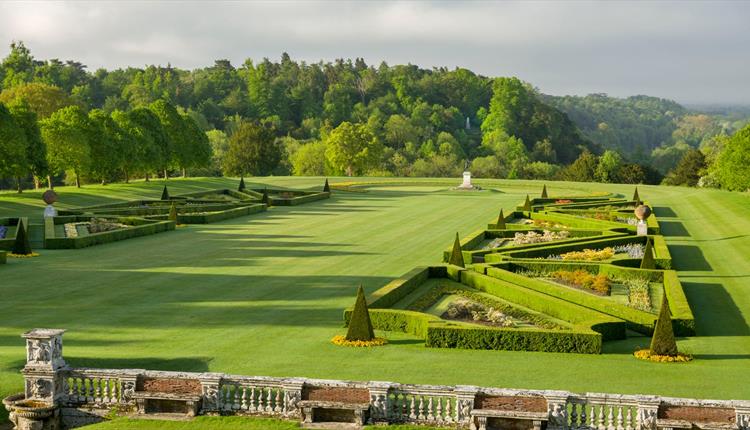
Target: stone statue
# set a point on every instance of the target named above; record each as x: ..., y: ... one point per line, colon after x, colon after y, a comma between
x: 642, y: 212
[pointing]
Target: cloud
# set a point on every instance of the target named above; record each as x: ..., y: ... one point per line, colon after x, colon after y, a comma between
x: 688, y: 51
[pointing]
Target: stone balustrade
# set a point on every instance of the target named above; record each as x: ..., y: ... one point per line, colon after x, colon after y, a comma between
x: 84, y: 395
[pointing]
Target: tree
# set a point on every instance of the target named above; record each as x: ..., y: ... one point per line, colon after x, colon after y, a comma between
x: 310, y: 160
x: 13, y: 146
x: 352, y: 148
x: 153, y: 142
x: 174, y: 128
x: 457, y: 257
x: 527, y: 204
x: 326, y: 187
x: 42, y: 99
x: 636, y: 197
x: 732, y: 166
x: 360, y: 326
x: 663, y: 341
x: 608, y: 166
x: 165, y: 194
x: 242, y: 185
x: 104, y: 139
x: 198, y: 145
x: 21, y: 246
x: 132, y: 143
x: 36, y: 151
x: 544, y: 191
x: 18, y: 67
x: 689, y: 170
x: 582, y: 170
x: 66, y: 133
x: 253, y: 150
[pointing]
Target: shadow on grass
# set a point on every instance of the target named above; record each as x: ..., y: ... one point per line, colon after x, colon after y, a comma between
x: 689, y: 257
x: 181, y: 364
x: 715, y: 312
x: 721, y: 356
x: 673, y: 229
x: 664, y: 212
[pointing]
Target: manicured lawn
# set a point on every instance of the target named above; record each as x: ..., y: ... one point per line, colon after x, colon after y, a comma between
x: 262, y: 295
x: 223, y: 423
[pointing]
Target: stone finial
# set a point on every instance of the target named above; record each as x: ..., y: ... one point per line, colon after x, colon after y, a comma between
x: 44, y: 349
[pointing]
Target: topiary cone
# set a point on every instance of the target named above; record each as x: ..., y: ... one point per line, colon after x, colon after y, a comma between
x: 326, y: 187
x: 242, y: 184
x: 648, y: 256
x: 636, y: 197
x: 500, y: 221
x: 360, y: 326
x: 21, y: 246
x: 527, y: 204
x: 173, y: 213
x: 544, y: 191
x: 264, y: 199
x: 457, y: 257
x: 663, y: 343
x: 165, y: 193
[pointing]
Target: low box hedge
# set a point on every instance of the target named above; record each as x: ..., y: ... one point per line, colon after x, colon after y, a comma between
x: 3, y: 257
x: 210, y: 217
x: 683, y: 321
x: 397, y: 289
x: 140, y: 227
x: 298, y: 200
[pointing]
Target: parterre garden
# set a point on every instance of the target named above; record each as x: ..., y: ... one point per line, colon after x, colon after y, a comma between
x: 263, y: 294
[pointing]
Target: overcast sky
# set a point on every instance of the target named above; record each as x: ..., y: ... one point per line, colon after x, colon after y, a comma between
x: 690, y: 51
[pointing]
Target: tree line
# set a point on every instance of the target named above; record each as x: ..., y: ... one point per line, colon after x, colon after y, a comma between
x: 333, y: 118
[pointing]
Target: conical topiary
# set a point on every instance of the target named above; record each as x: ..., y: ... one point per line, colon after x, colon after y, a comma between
x: 647, y: 262
x: 326, y: 187
x: 457, y: 257
x: 360, y: 326
x: 165, y: 193
x: 21, y: 246
x: 500, y: 221
x: 544, y: 191
x: 264, y: 199
x: 242, y: 184
x: 173, y: 213
x: 636, y: 197
x: 527, y: 204
x: 663, y: 343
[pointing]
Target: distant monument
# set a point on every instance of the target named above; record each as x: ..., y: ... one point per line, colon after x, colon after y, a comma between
x: 49, y: 197
x: 468, y: 124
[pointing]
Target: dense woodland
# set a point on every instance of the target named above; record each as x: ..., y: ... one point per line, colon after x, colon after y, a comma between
x: 60, y: 123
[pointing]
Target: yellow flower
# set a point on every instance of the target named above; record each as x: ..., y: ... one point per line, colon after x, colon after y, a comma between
x: 33, y: 254
x: 645, y: 354
x: 341, y: 341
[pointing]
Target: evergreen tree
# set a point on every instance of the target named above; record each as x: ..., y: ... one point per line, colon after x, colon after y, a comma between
x: 165, y: 194
x: 500, y: 221
x: 242, y: 184
x: 663, y: 342
x: 527, y: 204
x: 360, y: 326
x: 326, y: 187
x: 636, y: 197
x: 457, y: 257
x: 544, y: 191
x: 264, y: 199
x: 648, y: 256
x: 21, y: 246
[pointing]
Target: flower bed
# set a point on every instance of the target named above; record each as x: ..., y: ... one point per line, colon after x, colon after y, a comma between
x: 599, y: 284
x: 645, y: 354
x: 586, y: 255
x: 467, y: 310
x: 340, y: 340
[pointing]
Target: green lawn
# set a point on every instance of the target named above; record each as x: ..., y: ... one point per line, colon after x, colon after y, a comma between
x: 262, y: 295
x: 222, y: 423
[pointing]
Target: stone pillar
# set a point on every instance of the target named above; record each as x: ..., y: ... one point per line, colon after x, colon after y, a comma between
x: 127, y: 386
x: 743, y: 417
x: 292, y: 395
x: 648, y: 408
x: 44, y: 360
x: 557, y: 408
x: 380, y: 406
x: 210, y: 389
x: 465, y: 396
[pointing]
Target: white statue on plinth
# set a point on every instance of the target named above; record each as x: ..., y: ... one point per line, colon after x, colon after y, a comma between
x: 466, y: 184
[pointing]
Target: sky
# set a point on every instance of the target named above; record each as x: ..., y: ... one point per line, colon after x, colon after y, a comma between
x: 691, y: 51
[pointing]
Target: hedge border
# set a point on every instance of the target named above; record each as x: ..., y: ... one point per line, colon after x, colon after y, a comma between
x: 143, y: 227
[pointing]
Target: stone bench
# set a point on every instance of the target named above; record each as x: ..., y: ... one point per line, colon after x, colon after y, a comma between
x: 153, y: 402
x: 325, y: 413
x: 480, y: 418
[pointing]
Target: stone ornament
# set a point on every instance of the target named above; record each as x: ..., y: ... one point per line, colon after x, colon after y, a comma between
x: 49, y: 197
x: 642, y: 212
x: 44, y: 349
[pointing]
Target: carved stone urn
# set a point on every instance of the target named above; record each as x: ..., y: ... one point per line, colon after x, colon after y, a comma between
x: 31, y: 414
x: 642, y: 212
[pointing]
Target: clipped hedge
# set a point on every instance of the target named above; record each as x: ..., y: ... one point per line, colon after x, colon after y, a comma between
x: 3, y: 257
x: 142, y: 228
x: 414, y: 323
x: 210, y: 217
x: 397, y: 289
x: 298, y: 200
x: 683, y: 320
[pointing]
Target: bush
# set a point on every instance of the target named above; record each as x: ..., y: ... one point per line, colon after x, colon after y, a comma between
x: 360, y: 326
x: 165, y: 193
x: 172, y: 213
x: 241, y: 188
x: 648, y: 257
x: 457, y: 258
x: 500, y: 221
x: 544, y: 191
x: 326, y: 187
x: 663, y: 342
x: 21, y: 246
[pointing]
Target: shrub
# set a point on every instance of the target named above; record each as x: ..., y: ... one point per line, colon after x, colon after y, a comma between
x: 544, y: 191
x: 663, y: 343
x: 165, y: 193
x: 360, y: 326
x: 242, y: 184
x: 326, y: 187
x: 457, y: 258
x: 639, y: 296
x: 264, y: 199
x: 21, y: 246
x: 172, y: 213
x: 648, y: 256
x: 636, y: 197
x: 500, y: 221
x: 527, y: 204
x: 584, y: 279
